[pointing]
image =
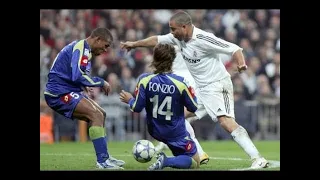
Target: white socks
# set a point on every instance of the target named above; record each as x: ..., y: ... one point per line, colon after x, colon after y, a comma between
x: 161, y: 146
x: 191, y: 119
x: 241, y: 136
x: 192, y: 134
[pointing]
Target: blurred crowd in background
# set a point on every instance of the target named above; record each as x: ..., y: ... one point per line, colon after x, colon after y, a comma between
x: 256, y: 31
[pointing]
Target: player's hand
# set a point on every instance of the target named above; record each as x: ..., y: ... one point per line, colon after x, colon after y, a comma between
x: 125, y: 96
x: 242, y: 68
x: 88, y: 90
x: 127, y: 45
x: 106, y: 88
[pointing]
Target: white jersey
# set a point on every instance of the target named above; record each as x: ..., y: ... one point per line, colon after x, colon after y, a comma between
x: 201, y: 54
x: 180, y: 68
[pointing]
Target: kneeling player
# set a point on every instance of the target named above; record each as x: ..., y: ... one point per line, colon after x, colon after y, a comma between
x: 164, y: 95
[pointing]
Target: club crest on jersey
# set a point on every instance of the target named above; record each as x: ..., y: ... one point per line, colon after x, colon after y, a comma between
x: 84, y: 61
x: 194, y: 54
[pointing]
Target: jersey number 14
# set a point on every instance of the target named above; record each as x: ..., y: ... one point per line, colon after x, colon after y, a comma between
x: 160, y: 109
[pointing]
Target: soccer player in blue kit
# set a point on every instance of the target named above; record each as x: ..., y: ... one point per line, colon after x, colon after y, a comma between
x: 164, y: 96
x: 69, y: 76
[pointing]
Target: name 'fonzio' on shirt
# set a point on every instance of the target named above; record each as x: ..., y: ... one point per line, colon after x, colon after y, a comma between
x: 164, y: 88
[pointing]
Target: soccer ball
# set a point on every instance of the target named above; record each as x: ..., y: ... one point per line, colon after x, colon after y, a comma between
x: 143, y: 151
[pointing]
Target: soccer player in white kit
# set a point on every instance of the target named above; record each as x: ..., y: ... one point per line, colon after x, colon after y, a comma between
x: 200, y: 50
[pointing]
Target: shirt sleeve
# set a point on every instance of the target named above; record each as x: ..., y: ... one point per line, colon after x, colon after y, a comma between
x: 138, y: 103
x: 168, y: 38
x: 81, y: 67
x: 218, y: 45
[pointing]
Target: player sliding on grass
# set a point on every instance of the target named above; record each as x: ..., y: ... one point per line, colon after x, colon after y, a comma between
x: 164, y: 96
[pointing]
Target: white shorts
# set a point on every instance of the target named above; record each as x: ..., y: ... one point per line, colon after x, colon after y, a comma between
x: 216, y: 99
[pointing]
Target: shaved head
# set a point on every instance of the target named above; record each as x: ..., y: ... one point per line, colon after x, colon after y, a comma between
x: 181, y: 18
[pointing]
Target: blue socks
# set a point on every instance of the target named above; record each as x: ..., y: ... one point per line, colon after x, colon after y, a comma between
x: 99, y: 140
x: 180, y: 162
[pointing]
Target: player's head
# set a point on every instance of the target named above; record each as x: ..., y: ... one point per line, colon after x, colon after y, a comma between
x: 163, y: 57
x: 179, y: 24
x: 101, y: 41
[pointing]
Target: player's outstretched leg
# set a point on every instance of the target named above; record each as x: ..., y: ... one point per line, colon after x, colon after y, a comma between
x: 204, y: 158
x: 240, y: 135
x: 87, y: 110
x: 179, y: 162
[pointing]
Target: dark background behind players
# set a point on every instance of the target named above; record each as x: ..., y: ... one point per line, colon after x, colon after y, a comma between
x: 257, y: 91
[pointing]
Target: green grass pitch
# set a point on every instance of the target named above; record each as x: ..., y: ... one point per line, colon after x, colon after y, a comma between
x: 224, y: 155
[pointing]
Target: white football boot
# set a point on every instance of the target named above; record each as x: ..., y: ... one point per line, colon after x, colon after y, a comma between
x: 260, y: 162
x: 116, y: 161
x: 107, y: 165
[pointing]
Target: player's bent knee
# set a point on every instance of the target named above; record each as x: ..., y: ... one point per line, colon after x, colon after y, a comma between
x: 96, y: 117
x: 228, y: 123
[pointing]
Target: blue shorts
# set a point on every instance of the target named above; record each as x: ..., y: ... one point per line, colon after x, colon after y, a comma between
x: 64, y: 104
x: 182, y: 147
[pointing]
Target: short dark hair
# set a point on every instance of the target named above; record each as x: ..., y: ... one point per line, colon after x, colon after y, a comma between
x: 163, y: 57
x: 181, y: 18
x: 102, y: 33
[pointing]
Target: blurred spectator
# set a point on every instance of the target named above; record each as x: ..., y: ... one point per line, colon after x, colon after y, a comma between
x: 128, y: 83
x: 276, y: 86
x: 162, y: 16
x: 242, y: 112
x: 265, y: 94
x: 272, y: 69
x: 239, y: 86
x: 114, y: 108
x: 44, y: 49
x: 230, y: 18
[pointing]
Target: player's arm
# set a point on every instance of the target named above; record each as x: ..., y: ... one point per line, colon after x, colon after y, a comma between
x: 81, y: 68
x: 239, y: 58
x: 139, y: 102
x: 148, y: 42
x: 190, y: 99
x: 154, y: 40
x: 218, y: 45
